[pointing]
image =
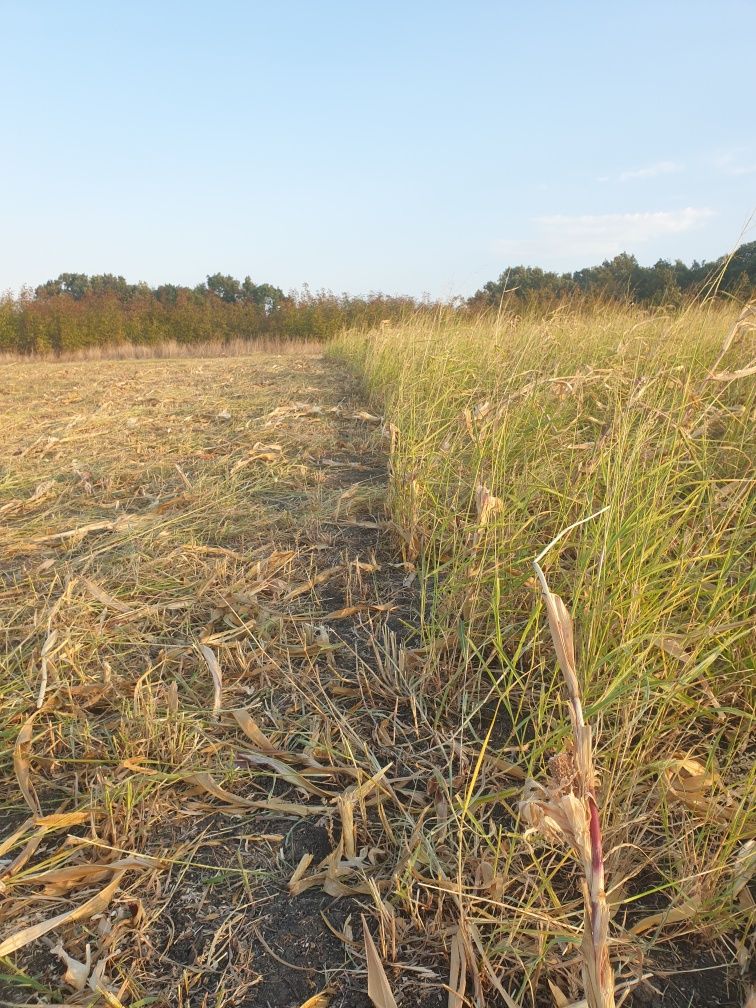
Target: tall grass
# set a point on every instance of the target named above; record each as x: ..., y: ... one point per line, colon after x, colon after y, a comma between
x: 168, y: 349
x: 505, y: 432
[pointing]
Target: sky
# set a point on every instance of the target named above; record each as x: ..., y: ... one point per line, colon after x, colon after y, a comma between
x: 409, y: 147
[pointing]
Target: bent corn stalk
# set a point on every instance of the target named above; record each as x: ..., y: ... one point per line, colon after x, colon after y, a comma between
x: 565, y: 809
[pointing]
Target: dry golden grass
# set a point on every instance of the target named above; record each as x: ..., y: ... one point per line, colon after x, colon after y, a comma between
x: 169, y: 349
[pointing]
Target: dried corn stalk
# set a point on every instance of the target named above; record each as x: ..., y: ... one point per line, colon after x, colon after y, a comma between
x: 565, y: 809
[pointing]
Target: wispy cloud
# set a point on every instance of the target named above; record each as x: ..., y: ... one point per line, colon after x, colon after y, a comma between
x: 736, y: 162
x: 652, y: 171
x: 597, y: 236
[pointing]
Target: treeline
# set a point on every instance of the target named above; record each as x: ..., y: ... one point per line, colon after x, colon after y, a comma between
x: 622, y: 278
x: 77, y: 312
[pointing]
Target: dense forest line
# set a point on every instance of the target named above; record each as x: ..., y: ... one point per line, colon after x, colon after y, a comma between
x: 623, y: 279
x: 78, y: 312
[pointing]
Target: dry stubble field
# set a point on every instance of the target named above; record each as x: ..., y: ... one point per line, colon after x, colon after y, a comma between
x: 204, y: 712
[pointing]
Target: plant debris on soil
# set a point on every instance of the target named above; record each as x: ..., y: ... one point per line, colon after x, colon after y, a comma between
x: 231, y: 777
x: 203, y: 642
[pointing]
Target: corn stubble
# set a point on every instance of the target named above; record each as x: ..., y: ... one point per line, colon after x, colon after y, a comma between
x: 169, y: 540
x: 566, y: 809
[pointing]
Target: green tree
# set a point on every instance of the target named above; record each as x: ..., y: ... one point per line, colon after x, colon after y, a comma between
x: 227, y: 288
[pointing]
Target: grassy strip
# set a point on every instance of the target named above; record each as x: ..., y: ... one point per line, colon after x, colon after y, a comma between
x: 505, y: 432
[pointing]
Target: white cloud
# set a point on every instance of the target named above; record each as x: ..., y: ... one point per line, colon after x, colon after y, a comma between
x: 736, y: 162
x: 652, y: 171
x: 589, y: 237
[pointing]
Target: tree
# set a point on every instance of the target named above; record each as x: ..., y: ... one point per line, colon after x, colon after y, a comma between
x: 265, y: 296
x: 622, y: 278
x: 75, y: 284
x: 107, y: 283
x: 227, y: 288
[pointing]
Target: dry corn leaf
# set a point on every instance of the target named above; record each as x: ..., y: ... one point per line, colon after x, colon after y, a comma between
x: 57, y: 881
x: 81, y: 530
x: 365, y: 417
x: 289, y: 808
x: 332, y: 872
x: 268, y: 748
x: 215, y: 551
x: 486, y: 504
x: 259, y: 453
x: 100, y: 526
x: 308, y: 650
x: 744, y: 321
x: 560, y: 999
x: 321, y: 1000
x: 285, y: 772
x: 317, y: 579
x: 685, y: 911
x: 475, y: 415
x: 359, y: 792
x: 205, y: 782
x: 10, y: 841
x: 22, y: 504
x: 217, y: 675
x: 133, y: 765
x: 170, y: 504
x: 253, y: 732
x: 506, y: 767
x: 339, y: 614
x: 745, y: 372
x: 47, y: 647
x: 379, y: 989
x: 457, y: 971
x: 62, y: 820
x: 102, y: 596
x: 25, y: 855
x: 22, y: 764
x: 687, y: 781
x: 96, y: 904
x: 742, y: 873
x: 673, y: 646
x: 348, y: 831
x: 369, y: 567
x: 77, y: 973
x: 560, y: 625
x: 298, y: 874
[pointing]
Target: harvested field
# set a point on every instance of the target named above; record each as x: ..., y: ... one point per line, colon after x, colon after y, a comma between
x: 277, y: 670
x: 203, y: 685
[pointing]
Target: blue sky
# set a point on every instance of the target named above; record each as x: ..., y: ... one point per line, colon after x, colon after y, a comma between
x: 408, y: 147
